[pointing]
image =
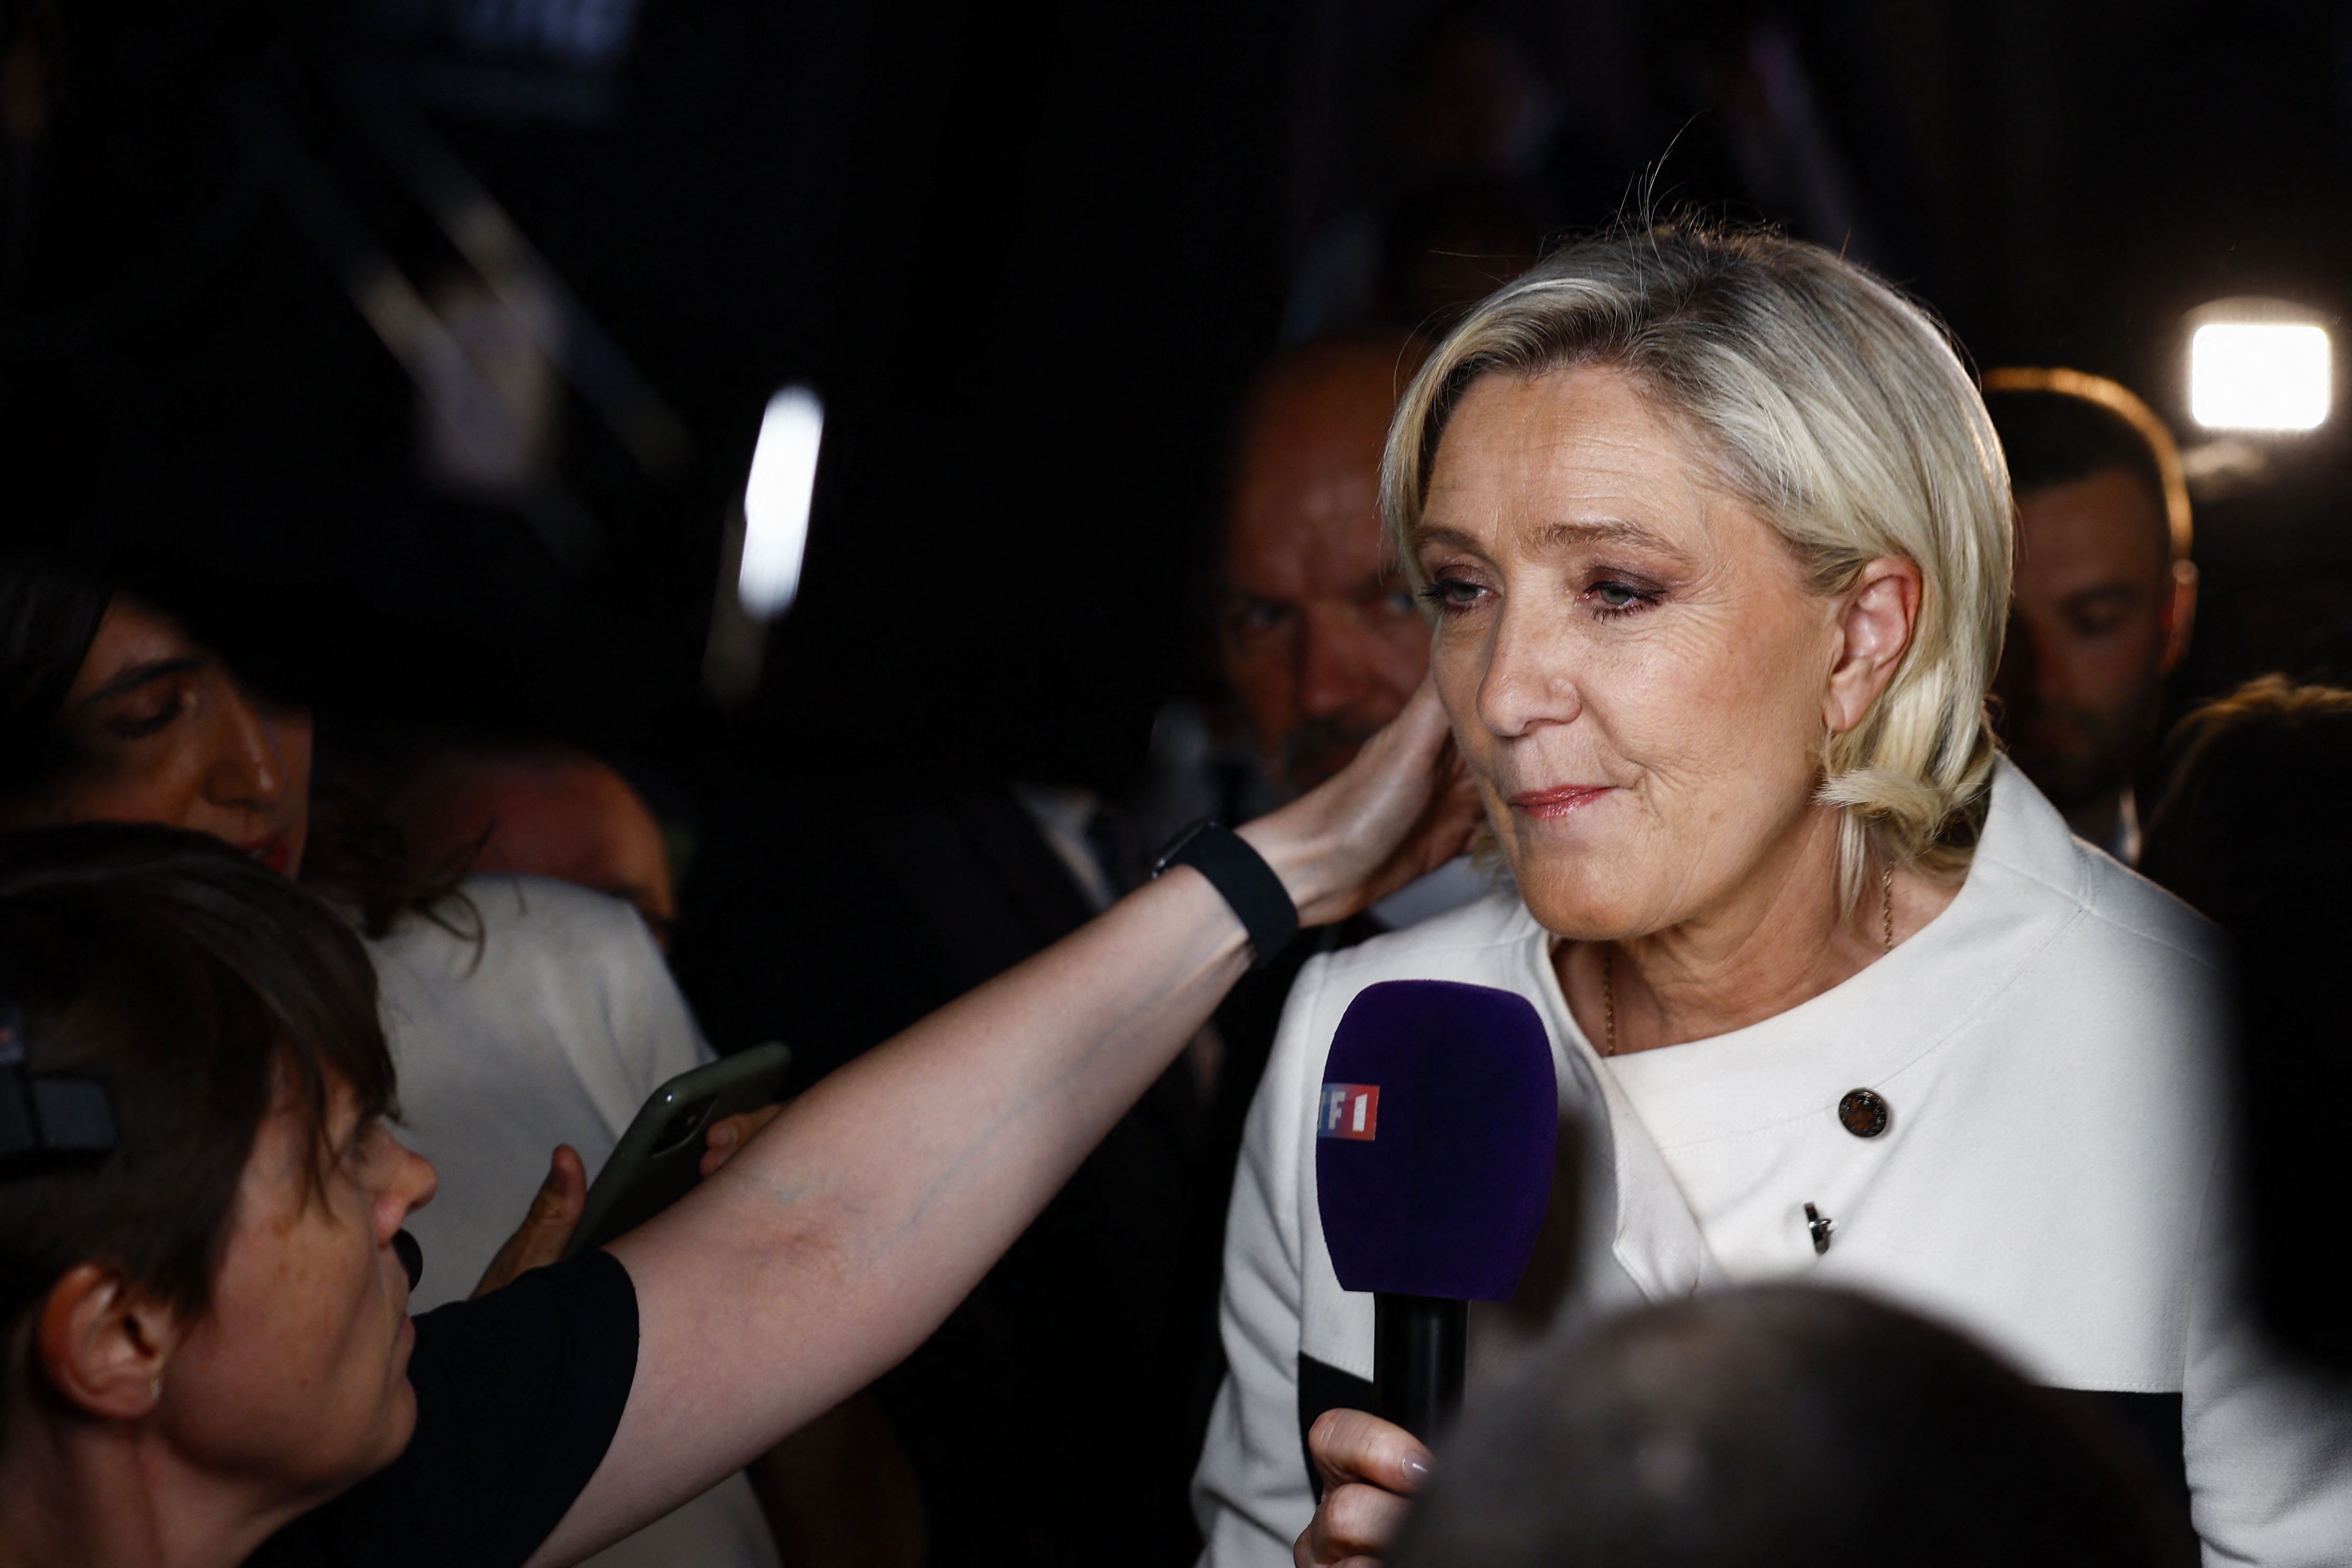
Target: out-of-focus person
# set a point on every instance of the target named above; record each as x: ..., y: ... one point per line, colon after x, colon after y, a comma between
x: 1319, y: 637
x: 525, y: 1014
x: 1715, y: 536
x: 2250, y: 829
x: 543, y: 810
x: 1319, y: 642
x: 1777, y: 1426
x: 2104, y: 591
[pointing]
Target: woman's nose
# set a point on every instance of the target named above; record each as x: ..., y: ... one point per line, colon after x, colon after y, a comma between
x: 249, y: 767
x: 1526, y: 683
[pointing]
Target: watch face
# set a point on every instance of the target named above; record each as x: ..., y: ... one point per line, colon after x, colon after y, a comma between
x: 1176, y: 844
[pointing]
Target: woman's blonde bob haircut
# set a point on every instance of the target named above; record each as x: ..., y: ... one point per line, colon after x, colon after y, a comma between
x: 1837, y: 411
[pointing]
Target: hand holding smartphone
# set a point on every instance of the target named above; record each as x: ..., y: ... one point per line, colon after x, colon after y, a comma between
x: 659, y: 1159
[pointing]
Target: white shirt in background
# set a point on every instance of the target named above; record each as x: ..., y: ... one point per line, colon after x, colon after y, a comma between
x: 553, y: 1029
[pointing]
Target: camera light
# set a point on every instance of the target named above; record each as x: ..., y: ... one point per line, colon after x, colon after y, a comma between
x: 2263, y: 371
x: 776, y: 502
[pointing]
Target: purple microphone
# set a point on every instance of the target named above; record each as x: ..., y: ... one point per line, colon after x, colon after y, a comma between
x: 1433, y: 1141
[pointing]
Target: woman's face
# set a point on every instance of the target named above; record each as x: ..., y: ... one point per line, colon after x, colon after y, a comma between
x: 162, y: 731
x: 1634, y: 667
x: 299, y: 1370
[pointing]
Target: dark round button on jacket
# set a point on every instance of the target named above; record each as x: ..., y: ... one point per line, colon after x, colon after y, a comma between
x: 1863, y: 1112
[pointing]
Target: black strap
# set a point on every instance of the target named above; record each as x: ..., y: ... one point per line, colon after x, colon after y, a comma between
x: 51, y: 1117
x: 1242, y: 877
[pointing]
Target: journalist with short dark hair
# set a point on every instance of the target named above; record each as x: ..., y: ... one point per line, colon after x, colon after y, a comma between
x: 202, y: 1197
x: 1715, y: 539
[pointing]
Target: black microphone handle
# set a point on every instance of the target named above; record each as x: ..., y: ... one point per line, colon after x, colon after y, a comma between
x: 1418, y: 1346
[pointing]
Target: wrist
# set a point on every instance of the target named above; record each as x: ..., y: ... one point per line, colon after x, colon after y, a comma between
x: 1301, y: 853
x: 1251, y: 888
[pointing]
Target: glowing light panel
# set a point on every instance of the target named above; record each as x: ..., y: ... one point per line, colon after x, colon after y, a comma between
x: 2258, y: 375
x: 776, y: 502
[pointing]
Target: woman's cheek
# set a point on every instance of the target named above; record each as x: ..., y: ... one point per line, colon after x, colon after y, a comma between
x: 1459, y: 665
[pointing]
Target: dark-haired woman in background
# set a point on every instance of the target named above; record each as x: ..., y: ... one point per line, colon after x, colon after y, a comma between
x: 524, y: 1015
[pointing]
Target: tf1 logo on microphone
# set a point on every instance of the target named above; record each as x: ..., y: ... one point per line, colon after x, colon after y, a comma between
x: 1349, y: 1110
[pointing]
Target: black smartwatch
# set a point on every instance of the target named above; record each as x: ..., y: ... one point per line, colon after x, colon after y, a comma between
x: 1242, y: 877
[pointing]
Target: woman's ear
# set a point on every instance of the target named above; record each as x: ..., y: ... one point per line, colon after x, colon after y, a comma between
x: 1876, y: 618
x: 104, y: 1346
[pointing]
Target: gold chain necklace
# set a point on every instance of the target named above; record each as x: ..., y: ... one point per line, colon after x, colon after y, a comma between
x: 1608, y: 965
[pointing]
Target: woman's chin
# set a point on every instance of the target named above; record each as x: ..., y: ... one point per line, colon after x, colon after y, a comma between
x: 1576, y: 914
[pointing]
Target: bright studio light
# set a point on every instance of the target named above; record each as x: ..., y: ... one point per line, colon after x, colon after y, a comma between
x: 2256, y: 365
x: 776, y: 502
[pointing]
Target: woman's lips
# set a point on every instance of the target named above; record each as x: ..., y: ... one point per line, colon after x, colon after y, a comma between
x: 273, y: 852
x: 1551, y: 804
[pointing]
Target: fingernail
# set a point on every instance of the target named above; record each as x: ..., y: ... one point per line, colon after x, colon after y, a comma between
x: 1416, y: 1467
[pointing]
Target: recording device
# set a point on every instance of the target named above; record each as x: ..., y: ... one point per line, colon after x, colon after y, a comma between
x: 659, y: 1158
x: 1433, y: 1145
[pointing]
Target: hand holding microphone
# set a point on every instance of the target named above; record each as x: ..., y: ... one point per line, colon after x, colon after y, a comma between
x: 1370, y: 1468
x: 1434, y: 1140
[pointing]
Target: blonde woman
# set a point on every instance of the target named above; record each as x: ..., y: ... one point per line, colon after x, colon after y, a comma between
x: 1715, y: 537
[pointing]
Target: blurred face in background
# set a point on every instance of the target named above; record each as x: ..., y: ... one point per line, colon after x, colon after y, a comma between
x: 163, y: 731
x: 1320, y: 639
x: 2100, y: 617
x: 550, y: 812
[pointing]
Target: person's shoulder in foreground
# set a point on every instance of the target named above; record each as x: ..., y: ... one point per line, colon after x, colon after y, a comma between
x: 518, y: 1394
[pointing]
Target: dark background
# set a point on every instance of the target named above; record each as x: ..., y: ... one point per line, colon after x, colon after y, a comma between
x: 1029, y: 257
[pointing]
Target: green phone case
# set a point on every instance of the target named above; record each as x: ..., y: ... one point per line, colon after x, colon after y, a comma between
x: 658, y: 1160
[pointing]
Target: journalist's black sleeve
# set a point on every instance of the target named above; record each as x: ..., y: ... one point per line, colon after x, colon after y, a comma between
x: 518, y: 1394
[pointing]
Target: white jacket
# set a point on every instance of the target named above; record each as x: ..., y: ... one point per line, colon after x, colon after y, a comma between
x: 2052, y: 1181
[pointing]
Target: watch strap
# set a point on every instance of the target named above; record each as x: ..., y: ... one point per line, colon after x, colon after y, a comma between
x: 1243, y: 878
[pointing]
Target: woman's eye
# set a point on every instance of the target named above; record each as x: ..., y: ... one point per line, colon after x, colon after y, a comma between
x: 146, y: 720
x: 1616, y: 596
x: 1451, y: 593
x: 368, y: 1143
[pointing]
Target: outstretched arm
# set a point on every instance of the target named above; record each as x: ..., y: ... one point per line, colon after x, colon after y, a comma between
x: 845, y: 1232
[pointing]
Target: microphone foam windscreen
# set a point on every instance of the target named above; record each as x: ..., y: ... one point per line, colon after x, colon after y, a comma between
x: 1434, y: 1139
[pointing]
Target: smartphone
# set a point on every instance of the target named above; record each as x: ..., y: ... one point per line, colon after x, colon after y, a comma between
x: 659, y: 1158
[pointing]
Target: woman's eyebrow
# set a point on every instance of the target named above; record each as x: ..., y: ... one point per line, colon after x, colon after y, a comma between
x: 1426, y: 534
x: 1559, y: 535
x: 139, y: 675
x: 1553, y: 536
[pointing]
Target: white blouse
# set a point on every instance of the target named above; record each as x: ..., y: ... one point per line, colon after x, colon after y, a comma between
x: 2050, y: 1180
